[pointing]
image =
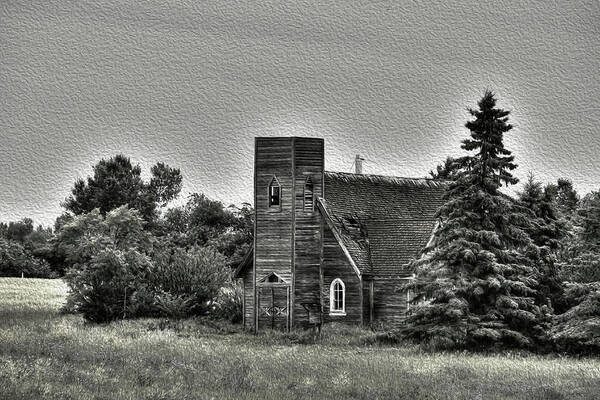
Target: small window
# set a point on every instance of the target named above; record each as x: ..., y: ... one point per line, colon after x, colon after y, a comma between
x: 274, y: 193
x: 337, y: 297
x: 308, y: 196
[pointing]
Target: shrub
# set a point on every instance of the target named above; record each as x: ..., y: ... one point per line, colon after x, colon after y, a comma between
x: 15, y: 260
x: 105, y: 288
x: 119, y: 270
x: 228, y: 305
x: 188, y: 281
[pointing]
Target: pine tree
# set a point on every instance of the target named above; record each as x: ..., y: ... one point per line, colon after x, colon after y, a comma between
x: 547, y: 228
x: 474, y: 285
x: 445, y: 170
x: 566, y: 197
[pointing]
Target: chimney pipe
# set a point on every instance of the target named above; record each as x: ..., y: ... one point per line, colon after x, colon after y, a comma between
x: 358, y: 164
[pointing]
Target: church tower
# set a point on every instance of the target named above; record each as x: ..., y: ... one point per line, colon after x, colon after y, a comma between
x: 288, y: 177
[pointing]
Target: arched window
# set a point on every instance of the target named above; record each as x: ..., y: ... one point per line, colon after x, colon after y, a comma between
x: 308, y: 195
x: 337, y: 297
x: 274, y: 193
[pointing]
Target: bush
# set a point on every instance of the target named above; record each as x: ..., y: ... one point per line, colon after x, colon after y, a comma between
x: 15, y: 260
x: 228, y: 305
x: 105, y: 288
x: 117, y: 273
x: 188, y: 281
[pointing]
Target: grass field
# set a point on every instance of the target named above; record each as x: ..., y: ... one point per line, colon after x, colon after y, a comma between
x: 46, y: 355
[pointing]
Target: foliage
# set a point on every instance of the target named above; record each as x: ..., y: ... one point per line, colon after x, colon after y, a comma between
x: 188, y: 281
x: 474, y: 286
x: 579, y: 256
x: 203, y: 222
x: 116, y: 182
x: 566, y: 197
x: 19, y: 230
x: 588, y: 219
x: 105, y: 287
x: 108, y: 262
x: 228, y: 304
x: 545, y: 226
x: 547, y: 229
x: 119, y: 270
x: 446, y: 171
x: 16, y: 260
x: 578, y: 329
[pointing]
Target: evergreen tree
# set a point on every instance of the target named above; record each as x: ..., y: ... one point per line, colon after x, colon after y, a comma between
x: 567, y: 199
x: 580, y: 254
x: 589, y: 222
x: 444, y: 171
x: 474, y: 286
x: 547, y: 229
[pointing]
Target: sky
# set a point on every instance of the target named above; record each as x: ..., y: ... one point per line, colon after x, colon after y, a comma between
x: 191, y: 83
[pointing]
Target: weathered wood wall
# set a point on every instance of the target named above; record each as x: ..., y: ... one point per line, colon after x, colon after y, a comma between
x: 308, y: 162
x: 273, y: 227
x: 389, y: 301
x: 248, y: 298
x: 287, y: 238
x: 335, y: 265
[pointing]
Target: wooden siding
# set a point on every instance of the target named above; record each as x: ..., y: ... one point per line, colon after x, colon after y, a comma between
x: 273, y: 235
x: 248, y: 299
x: 287, y: 237
x: 389, y: 301
x: 335, y: 265
x: 308, y: 163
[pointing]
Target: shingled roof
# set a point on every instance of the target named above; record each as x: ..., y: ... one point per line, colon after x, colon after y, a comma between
x: 382, y: 221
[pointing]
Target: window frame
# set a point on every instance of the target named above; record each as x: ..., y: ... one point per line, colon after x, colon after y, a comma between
x: 274, y: 182
x: 332, y: 310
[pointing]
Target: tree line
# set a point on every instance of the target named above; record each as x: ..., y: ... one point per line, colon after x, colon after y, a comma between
x: 124, y: 253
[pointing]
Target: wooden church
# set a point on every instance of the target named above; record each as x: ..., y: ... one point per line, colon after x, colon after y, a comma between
x: 330, y: 246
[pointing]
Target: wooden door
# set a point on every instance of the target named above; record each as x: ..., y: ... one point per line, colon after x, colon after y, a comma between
x: 273, y: 307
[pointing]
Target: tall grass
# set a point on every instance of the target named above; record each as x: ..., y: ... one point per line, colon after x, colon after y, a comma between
x: 44, y: 354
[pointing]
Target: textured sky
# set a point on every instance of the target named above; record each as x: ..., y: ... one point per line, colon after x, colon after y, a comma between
x: 191, y: 83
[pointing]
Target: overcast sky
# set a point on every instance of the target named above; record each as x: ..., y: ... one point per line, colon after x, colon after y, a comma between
x: 192, y: 83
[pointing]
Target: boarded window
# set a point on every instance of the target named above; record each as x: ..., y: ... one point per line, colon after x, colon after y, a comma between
x: 274, y: 193
x: 308, y: 195
x: 337, y: 297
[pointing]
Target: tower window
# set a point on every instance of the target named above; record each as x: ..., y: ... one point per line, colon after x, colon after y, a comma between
x: 274, y: 193
x: 337, y: 297
x: 308, y: 195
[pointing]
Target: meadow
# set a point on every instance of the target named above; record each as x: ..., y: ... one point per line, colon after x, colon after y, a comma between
x: 48, y: 355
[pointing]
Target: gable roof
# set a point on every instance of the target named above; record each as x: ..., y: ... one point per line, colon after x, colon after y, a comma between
x: 383, y: 221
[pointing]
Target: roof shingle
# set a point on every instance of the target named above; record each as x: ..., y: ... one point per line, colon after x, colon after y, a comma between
x: 383, y: 221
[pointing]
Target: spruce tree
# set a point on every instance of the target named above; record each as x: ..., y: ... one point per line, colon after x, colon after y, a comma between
x: 474, y: 286
x: 547, y: 228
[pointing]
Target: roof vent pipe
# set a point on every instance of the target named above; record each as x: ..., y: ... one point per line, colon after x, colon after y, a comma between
x: 358, y: 164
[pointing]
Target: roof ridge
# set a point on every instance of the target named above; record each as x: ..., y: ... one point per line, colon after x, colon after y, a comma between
x: 349, y: 176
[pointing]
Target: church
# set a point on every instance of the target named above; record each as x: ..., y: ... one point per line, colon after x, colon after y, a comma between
x: 330, y: 246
